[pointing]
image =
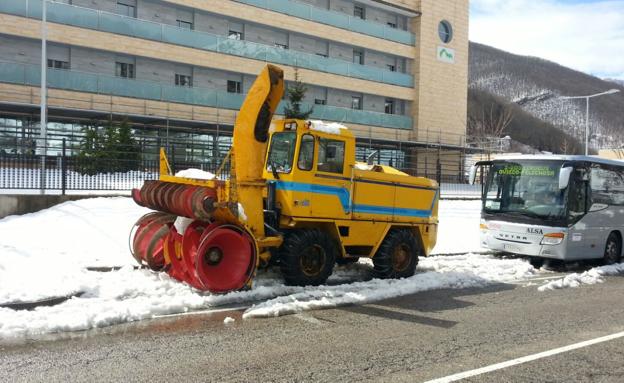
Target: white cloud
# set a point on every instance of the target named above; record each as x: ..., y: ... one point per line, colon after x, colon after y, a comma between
x: 587, y: 36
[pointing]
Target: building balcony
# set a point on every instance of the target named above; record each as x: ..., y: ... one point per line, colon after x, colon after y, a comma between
x: 108, y: 22
x: 335, y: 19
x: 26, y: 74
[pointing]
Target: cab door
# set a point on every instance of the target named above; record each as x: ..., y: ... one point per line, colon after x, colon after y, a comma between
x: 304, y: 172
x: 331, y: 194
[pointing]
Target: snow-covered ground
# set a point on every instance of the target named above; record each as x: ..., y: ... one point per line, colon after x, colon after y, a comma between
x: 45, y: 254
x: 589, y: 277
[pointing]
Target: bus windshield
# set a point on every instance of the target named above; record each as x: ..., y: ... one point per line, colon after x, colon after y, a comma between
x: 525, y: 188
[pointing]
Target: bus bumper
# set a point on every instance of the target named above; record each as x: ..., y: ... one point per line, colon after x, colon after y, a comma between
x: 491, y: 239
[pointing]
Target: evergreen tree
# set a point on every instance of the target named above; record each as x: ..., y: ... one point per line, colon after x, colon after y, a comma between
x: 296, y: 93
x: 108, y: 149
x: 91, y: 150
x: 128, y: 149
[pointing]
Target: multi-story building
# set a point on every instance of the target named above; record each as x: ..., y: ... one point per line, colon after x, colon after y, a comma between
x: 394, y: 71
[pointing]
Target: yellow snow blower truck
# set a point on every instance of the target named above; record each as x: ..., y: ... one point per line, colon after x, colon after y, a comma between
x: 295, y: 197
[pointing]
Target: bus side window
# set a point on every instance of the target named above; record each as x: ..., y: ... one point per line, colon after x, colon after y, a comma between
x: 607, y: 186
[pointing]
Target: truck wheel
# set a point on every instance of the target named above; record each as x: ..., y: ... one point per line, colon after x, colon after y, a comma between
x: 613, y: 249
x: 397, y: 256
x: 307, y: 257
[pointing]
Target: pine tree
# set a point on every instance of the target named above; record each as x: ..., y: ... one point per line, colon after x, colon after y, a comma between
x: 296, y: 93
x: 128, y: 150
x: 108, y: 149
x: 91, y: 150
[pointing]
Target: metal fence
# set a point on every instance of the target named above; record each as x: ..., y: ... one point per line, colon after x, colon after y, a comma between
x: 64, y: 173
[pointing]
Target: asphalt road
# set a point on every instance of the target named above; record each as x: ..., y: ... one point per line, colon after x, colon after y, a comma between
x: 409, y: 339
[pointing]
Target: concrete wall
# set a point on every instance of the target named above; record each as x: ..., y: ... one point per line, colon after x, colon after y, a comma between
x: 22, y: 204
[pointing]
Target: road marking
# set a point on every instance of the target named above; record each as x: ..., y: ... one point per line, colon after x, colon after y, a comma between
x: 525, y: 359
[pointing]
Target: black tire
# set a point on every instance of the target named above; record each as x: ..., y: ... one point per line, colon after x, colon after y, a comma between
x: 613, y: 249
x: 307, y: 257
x: 397, y: 256
x: 536, y: 262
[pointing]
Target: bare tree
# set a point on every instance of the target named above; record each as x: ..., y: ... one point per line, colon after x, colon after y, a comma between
x: 490, y: 121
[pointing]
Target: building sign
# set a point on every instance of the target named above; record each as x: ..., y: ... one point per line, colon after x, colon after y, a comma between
x: 446, y: 54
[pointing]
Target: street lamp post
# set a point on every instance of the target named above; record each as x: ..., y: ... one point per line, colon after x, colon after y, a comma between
x: 610, y: 91
x: 43, y: 123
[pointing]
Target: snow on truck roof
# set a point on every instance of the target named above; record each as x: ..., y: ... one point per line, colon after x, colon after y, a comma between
x: 330, y: 128
x: 560, y: 157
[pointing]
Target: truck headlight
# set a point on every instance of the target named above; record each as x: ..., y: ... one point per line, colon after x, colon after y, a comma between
x: 552, y: 239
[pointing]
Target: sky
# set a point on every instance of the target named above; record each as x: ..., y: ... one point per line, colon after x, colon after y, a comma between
x: 586, y: 35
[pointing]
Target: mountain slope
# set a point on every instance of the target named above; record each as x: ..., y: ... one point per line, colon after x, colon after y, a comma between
x: 537, y: 86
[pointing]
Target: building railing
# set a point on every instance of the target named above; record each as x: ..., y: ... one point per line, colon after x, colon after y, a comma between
x: 336, y: 19
x: 109, y: 22
x: 26, y: 74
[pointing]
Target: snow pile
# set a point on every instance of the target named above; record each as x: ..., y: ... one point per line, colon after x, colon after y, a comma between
x: 457, y: 272
x: 589, y: 277
x: 363, y: 166
x: 45, y: 254
x: 330, y: 128
x: 130, y: 295
x: 458, y: 231
x: 197, y: 174
x: 229, y: 320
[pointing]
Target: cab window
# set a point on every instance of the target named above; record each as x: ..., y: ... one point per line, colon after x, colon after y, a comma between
x: 282, y: 152
x: 306, y: 153
x: 331, y: 156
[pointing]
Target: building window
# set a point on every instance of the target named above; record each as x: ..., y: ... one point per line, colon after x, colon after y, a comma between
x: 445, y: 31
x: 320, y: 101
x: 183, y: 80
x: 356, y: 102
x: 58, y: 64
x: 358, y: 56
x: 235, y: 35
x: 391, y: 67
x: 124, y: 70
x: 184, y: 24
x: 359, y: 12
x: 389, y: 109
x: 234, y: 86
x: 282, y: 46
x: 126, y: 9
x: 391, y: 25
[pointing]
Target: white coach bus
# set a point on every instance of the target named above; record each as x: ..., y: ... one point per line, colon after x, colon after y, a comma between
x: 553, y: 207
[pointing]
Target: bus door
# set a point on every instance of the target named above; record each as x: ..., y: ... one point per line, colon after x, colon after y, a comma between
x: 578, y: 201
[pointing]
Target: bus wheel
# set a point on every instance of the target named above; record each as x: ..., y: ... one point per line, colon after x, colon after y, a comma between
x: 397, y: 256
x: 613, y: 249
x: 536, y: 262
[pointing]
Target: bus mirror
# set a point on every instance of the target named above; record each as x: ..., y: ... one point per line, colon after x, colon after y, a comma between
x: 564, y: 177
x: 473, y: 175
